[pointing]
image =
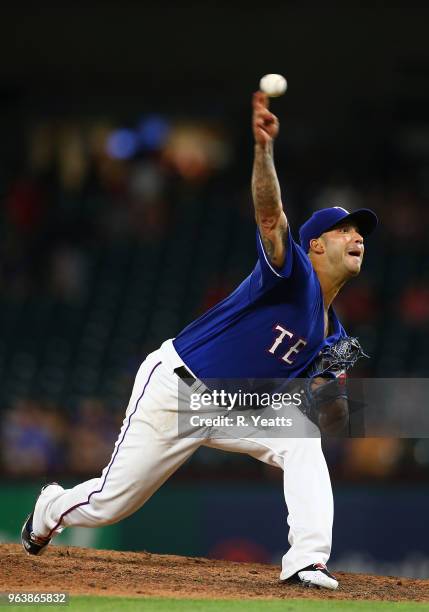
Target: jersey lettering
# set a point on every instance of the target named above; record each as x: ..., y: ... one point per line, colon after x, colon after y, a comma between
x: 293, y: 349
x: 283, y: 332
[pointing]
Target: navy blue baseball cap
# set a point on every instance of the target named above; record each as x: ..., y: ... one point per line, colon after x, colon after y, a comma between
x: 323, y: 220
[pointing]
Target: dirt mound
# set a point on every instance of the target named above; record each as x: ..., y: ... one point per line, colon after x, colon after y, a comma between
x: 101, y: 572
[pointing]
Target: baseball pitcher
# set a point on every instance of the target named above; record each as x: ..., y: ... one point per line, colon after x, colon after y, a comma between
x: 278, y: 324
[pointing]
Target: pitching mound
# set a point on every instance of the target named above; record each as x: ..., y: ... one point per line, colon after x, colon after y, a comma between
x: 81, y: 571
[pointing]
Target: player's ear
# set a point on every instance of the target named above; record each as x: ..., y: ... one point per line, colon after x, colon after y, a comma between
x: 317, y: 246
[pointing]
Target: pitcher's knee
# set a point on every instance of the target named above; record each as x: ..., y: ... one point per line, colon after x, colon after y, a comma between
x: 107, y: 509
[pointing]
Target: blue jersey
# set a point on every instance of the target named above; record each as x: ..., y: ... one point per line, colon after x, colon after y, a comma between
x: 271, y: 326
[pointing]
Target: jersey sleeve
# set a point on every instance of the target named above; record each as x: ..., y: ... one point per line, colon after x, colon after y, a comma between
x: 296, y: 267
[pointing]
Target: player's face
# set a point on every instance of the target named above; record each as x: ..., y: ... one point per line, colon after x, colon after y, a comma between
x: 345, y: 248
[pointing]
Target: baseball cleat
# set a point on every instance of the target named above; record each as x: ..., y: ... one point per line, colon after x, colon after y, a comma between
x: 32, y: 544
x: 317, y: 575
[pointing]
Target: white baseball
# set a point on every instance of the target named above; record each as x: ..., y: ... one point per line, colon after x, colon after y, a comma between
x: 273, y: 85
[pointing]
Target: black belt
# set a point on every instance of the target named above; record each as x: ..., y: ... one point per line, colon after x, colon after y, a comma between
x: 189, y: 379
x: 185, y: 375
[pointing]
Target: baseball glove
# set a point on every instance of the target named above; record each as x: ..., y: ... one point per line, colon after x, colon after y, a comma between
x: 325, y: 389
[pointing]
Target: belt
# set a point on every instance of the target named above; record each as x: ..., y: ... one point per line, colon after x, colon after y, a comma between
x: 184, y: 374
x: 189, y: 379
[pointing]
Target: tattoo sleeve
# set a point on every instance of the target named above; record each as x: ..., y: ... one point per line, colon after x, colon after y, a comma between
x: 268, y: 205
x: 265, y: 185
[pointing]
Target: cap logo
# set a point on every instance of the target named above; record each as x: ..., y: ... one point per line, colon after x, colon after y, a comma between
x: 341, y: 208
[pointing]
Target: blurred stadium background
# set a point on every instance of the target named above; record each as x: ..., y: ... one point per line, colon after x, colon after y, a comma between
x: 125, y: 164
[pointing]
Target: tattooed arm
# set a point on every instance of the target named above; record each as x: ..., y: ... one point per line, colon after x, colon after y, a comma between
x: 269, y: 213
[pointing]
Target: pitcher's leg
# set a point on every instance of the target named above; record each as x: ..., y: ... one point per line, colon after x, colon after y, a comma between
x: 307, y: 490
x: 308, y: 495
x: 145, y: 455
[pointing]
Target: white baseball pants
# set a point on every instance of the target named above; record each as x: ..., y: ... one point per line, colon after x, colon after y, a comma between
x: 148, y: 451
